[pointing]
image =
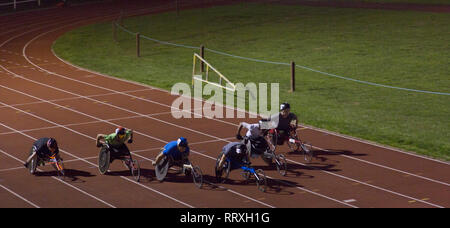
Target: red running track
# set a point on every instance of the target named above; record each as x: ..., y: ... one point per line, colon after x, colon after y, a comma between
x: 44, y: 96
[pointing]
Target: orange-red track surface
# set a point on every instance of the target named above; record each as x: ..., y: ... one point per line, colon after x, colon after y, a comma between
x: 42, y: 96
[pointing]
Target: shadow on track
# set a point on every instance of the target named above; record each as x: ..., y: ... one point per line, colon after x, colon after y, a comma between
x: 71, y: 175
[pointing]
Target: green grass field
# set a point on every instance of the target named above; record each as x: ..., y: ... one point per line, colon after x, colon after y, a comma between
x: 397, y: 48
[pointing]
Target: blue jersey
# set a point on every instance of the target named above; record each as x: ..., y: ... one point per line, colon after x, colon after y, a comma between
x: 172, y: 150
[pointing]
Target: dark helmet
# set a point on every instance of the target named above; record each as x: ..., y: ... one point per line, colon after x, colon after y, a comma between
x: 182, y: 142
x: 51, y: 143
x: 285, y: 106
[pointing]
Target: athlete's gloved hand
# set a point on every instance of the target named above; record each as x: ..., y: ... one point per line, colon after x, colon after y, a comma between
x: 130, y: 141
x: 239, y: 137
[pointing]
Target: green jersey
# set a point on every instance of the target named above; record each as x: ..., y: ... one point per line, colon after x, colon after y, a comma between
x: 114, y: 140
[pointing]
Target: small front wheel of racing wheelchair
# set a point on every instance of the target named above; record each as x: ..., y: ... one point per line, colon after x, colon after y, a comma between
x: 307, y: 151
x: 104, y: 159
x: 197, y: 176
x: 280, y: 162
x: 58, y: 165
x: 133, y: 166
x: 222, y: 173
x: 261, y: 180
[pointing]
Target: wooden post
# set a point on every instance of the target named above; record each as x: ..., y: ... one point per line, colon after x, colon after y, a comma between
x: 121, y: 18
x: 292, y: 76
x: 138, y: 53
x: 202, y: 54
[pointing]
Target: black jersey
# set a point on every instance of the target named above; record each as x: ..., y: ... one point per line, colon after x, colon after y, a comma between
x: 40, y: 146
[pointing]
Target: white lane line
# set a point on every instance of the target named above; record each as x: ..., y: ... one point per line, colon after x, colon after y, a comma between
x: 367, y: 184
x: 19, y: 196
x: 76, y: 98
x: 373, y: 144
x: 95, y: 157
x: 350, y: 200
x: 55, y: 178
x: 25, y: 55
x: 135, y: 131
x: 79, y: 157
x: 83, y: 123
x: 76, y: 132
x: 376, y: 144
x: 117, y: 108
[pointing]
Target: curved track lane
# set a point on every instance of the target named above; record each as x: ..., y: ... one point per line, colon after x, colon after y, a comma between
x: 45, y: 96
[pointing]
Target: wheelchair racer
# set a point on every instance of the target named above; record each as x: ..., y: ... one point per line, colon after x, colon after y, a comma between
x: 287, y: 123
x: 254, y: 139
x: 178, y: 150
x: 44, y: 148
x: 237, y: 154
x: 117, y: 141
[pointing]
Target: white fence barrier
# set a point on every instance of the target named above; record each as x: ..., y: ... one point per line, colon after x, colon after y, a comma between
x: 15, y: 2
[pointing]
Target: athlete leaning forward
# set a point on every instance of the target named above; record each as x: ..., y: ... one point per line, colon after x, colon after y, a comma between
x: 176, y: 153
x: 45, y: 150
x: 113, y: 148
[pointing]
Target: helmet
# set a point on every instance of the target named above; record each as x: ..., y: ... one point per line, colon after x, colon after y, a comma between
x: 51, y: 143
x: 120, y: 130
x: 284, y: 106
x: 182, y: 142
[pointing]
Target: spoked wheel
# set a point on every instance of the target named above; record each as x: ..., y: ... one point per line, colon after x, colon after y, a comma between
x: 103, y: 160
x: 280, y: 162
x: 197, y: 176
x: 261, y: 181
x: 222, y: 174
x: 307, y: 151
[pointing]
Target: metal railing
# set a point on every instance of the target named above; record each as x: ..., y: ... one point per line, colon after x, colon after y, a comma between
x: 15, y: 2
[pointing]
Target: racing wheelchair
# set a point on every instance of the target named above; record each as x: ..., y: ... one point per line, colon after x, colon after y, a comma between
x: 268, y: 155
x: 248, y: 172
x: 108, y: 154
x: 56, y: 162
x: 188, y: 169
x: 275, y: 138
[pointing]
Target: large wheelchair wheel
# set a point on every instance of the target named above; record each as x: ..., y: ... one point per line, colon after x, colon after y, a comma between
x: 32, y: 166
x: 162, y: 168
x: 104, y: 159
x: 222, y: 175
